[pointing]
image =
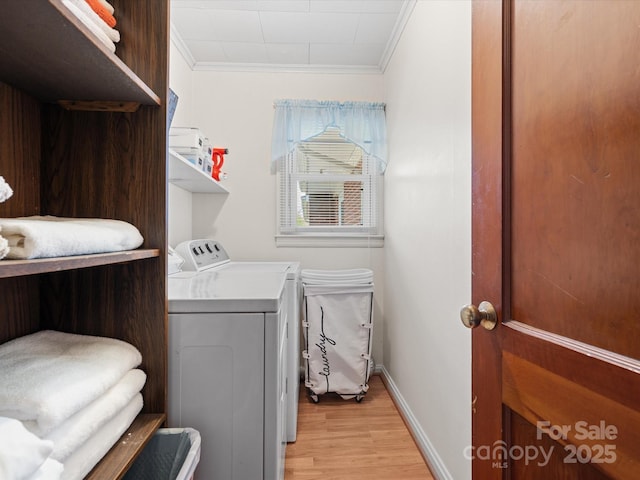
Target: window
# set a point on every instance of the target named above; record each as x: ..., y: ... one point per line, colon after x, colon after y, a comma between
x: 330, y: 157
x: 330, y: 191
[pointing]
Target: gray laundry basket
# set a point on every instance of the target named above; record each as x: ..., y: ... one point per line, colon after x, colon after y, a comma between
x: 171, y: 454
x: 337, y: 327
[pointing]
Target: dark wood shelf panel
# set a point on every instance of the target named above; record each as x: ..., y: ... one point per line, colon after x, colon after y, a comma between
x: 46, y: 51
x: 118, y: 460
x: 16, y: 268
x: 83, y: 134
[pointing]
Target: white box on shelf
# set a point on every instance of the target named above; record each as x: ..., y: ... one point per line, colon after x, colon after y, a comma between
x: 197, y: 159
x: 208, y: 166
x: 188, y: 142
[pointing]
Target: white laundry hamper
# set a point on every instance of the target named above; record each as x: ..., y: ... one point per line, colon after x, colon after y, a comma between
x: 337, y: 327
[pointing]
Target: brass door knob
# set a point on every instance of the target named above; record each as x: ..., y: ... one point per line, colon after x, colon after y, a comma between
x: 484, y: 315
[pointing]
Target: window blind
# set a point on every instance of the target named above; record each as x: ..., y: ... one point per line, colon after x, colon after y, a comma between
x: 328, y: 184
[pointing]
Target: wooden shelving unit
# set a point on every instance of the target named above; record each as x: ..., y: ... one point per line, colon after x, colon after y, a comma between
x: 71, y: 65
x: 83, y: 134
x: 185, y: 175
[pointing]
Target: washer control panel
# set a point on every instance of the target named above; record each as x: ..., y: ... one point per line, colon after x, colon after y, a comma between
x: 202, y: 254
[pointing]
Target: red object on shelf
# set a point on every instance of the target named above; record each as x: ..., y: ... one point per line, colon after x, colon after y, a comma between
x: 218, y: 160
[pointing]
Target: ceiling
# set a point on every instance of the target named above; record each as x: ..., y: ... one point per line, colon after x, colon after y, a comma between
x: 292, y: 35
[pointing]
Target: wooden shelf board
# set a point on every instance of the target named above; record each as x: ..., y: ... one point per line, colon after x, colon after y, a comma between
x: 15, y: 268
x: 35, y: 56
x: 121, y: 456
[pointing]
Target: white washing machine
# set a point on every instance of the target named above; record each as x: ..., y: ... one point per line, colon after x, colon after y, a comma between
x: 293, y: 295
x: 234, y: 359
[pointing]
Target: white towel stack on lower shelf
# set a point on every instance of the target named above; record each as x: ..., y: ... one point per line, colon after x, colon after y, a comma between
x: 23, y: 455
x: 76, y: 393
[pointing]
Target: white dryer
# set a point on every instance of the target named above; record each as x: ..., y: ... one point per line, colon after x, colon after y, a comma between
x: 292, y: 299
x: 234, y: 359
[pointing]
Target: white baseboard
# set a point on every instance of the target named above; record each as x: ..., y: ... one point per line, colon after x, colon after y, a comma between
x: 437, y: 467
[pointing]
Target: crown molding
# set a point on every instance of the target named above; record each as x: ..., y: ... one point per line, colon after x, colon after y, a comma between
x: 286, y: 68
x: 403, y: 18
x: 177, y: 40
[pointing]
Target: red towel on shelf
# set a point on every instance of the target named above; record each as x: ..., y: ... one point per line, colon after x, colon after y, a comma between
x: 102, y: 12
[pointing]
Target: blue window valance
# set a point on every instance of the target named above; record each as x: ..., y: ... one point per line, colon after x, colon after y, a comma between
x: 362, y: 123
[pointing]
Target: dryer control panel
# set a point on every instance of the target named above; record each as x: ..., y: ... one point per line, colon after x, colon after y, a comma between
x: 201, y: 254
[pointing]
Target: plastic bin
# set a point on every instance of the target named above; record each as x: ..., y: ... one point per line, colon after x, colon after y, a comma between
x: 171, y: 454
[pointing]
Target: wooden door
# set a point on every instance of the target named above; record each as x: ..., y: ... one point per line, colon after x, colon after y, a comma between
x: 556, y: 239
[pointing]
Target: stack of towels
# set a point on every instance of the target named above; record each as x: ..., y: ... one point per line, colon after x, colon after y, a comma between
x: 5, y: 194
x: 49, y: 236
x: 97, y: 16
x: 65, y: 400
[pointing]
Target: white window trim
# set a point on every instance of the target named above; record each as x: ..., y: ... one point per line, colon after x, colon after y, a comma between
x: 330, y: 240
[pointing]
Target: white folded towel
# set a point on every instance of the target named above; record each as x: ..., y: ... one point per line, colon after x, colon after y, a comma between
x: 108, y: 6
x: 50, y: 470
x: 5, y: 190
x: 4, y: 247
x: 48, y: 376
x: 48, y: 236
x: 85, y: 8
x: 95, y: 29
x: 77, y: 429
x: 91, y: 452
x: 22, y: 453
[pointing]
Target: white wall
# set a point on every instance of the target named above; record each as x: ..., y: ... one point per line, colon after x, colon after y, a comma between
x: 235, y: 110
x: 427, y: 254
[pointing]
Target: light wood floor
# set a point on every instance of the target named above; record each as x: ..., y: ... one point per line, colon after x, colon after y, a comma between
x: 345, y: 440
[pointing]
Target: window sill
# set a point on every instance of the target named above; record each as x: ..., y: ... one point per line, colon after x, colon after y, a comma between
x: 330, y: 240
